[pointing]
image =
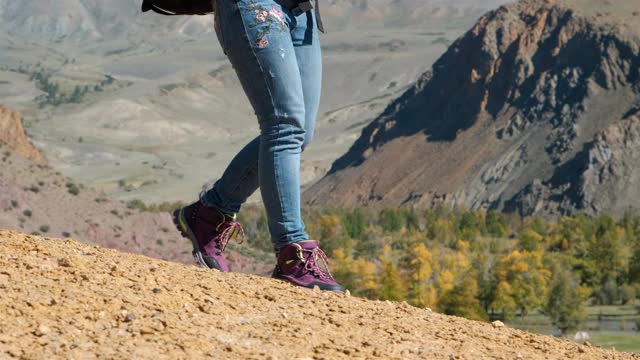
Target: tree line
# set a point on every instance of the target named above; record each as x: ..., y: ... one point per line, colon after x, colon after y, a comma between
x: 477, y: 264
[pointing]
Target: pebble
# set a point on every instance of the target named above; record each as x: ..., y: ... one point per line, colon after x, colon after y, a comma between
x: 316, y: 288
x: 497, y: 324
x: 157, y: 290
x: 64, y: 262
x: 147, y: 331
x: 42, y: 330
x: 130, y: 317
x: 347, y: 293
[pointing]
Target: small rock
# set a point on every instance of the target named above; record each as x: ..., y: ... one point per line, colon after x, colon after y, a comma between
x: 147, y: 331
x: 316, y: 288
x: 284, y: 315
x: 581, y: 350
x: 519, y: 356
x: 497, y: 324
x: 586, y: 343
x: 157, y: 290
x: 42, y: 330
x: 64, y: 262
x: 130, y: 317
x: 428, y: 309
x: 347, y: 293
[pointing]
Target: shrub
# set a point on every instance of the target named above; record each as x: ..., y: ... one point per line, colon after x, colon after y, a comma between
x: 34, y: 189
x: 136, y: 204
x: 66, y: 234
x: 73, y: 188
x: 44, y: 228
x: 14, y: 203
x: 27, y: 213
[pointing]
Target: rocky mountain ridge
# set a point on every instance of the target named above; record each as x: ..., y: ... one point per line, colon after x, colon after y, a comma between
x: 507, y: 116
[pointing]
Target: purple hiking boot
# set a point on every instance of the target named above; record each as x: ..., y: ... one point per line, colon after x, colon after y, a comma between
x: 298, y: 264
x: 209, y: 231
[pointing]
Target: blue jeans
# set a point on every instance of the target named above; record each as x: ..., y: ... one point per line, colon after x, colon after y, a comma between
x: 277, y: 57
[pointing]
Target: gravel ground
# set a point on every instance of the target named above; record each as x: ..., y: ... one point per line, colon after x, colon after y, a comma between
x: 64, y: 299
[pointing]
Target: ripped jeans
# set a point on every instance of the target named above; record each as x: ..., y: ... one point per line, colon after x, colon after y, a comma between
x: 277, y: 57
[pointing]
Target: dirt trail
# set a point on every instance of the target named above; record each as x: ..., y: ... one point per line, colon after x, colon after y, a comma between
x: 63, y: 299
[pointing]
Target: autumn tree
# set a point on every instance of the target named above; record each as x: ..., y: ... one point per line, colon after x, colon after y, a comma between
x: 421, y: 294
x: 566, y: 305
x: 462, y: 300
x: 522, y: 282
x: 390, y: 282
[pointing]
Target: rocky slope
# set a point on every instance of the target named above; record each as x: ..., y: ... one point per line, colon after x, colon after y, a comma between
x: 61, y: 299
x: 13, y: 138
x: 36, y: 198
x: 534, y: 109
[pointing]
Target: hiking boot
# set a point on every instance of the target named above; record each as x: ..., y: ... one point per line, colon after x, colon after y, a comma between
x: 298, y: 264
x: 209, y: 231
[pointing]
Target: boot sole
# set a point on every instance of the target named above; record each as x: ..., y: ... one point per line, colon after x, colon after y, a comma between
x: 323, y: 287
x: 181, y: 224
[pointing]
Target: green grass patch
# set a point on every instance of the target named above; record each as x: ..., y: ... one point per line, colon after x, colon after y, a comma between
x: 622, y: 341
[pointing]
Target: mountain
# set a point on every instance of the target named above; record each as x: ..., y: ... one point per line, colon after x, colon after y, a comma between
x: 535, y: 109
x: 91, y: 20
x: 62, y: 299
x: 112, y: 95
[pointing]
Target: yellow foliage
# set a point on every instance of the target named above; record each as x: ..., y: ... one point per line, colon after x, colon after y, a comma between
x: 329, y: 225
x: 446, y: 281
x: 462, y: 245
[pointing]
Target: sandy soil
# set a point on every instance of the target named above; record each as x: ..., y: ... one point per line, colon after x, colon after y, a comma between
x: 62, y: 299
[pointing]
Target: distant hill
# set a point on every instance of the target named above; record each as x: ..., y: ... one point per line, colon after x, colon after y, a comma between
x: 91, y: 20
x: 536, y: 109
x: 88, y: 20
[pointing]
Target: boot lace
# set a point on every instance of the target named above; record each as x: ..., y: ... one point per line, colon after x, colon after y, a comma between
x: 227, y: 230
x: 311, y: 263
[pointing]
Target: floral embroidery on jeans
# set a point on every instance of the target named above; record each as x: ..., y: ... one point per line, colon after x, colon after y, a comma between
x: 266, y: 19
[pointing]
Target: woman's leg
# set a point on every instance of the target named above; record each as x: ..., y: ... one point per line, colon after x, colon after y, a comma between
x: 240, y: 179
x: 257, y: 38
x: 306, y: 42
